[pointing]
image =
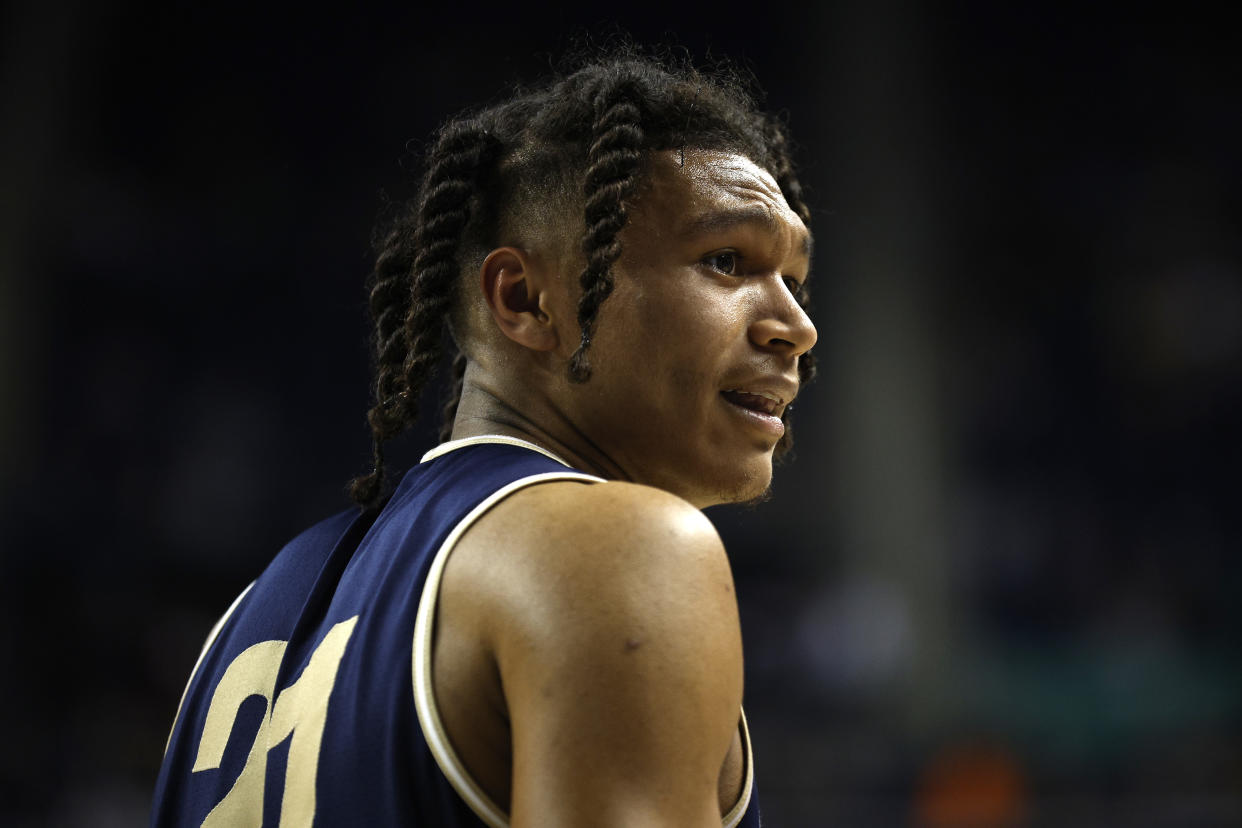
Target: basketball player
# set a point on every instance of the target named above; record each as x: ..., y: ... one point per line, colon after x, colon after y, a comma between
x: 538, y: 627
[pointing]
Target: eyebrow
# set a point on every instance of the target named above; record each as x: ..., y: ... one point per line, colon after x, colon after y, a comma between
x: 719, y: 221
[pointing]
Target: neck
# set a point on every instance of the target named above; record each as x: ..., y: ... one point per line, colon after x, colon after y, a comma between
x: 492, y: 408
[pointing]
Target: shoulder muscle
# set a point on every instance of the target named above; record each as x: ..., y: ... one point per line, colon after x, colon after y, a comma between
x: 611, y: 614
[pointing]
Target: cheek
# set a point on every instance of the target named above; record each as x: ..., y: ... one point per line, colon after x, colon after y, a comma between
x: 673, y: 349
x: 675, y: 329
x: 681, y: 306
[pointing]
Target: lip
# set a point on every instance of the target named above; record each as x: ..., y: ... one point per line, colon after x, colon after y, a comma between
x: 778, y: 389
x: 768, y: 385
x: 770, y: 424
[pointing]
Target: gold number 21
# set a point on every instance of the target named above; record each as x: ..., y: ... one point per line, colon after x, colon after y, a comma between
x: 301, y: 709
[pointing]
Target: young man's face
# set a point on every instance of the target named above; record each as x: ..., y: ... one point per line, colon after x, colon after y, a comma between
x: 695, y: 354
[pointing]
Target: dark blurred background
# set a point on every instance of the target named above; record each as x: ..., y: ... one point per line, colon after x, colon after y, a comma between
x: 1000, y: 582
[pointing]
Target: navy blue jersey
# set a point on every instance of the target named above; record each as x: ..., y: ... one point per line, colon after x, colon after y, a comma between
x: 312, y: 702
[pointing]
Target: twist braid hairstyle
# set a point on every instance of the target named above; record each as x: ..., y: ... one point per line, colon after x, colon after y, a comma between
x: 612, y: 176
x: 583, y: 137
x: 412, y: 288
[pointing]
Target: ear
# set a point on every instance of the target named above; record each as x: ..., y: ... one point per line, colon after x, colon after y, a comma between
x: 516, y: 292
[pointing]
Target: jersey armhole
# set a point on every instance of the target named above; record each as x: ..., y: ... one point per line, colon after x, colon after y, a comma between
x: 424, y: 696
x: 734, y: 817
x: 432, y: 725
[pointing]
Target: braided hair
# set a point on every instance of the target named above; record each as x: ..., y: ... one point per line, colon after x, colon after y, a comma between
x: 583, y: 136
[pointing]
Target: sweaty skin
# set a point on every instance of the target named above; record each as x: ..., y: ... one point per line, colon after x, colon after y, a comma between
x: 588, y: 660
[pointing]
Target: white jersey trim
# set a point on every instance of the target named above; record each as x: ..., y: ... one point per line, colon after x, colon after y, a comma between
x: 735, y: 815
x: 424, y: 632
x: 451, y: 445
x: 424, y: 696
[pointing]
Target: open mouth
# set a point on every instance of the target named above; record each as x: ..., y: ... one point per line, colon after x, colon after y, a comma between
x: 757, y: 401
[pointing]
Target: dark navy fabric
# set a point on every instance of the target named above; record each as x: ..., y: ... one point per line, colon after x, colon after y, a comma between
x: 374, y: 767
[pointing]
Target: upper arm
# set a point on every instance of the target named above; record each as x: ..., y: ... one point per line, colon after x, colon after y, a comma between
x: 619, y: 650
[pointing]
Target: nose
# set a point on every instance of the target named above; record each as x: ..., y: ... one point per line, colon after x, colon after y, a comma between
x: 783, y: 326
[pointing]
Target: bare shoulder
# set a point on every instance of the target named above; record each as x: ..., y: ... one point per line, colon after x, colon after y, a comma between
x: 550, y: 544
x: 609, y: 613
x: 612, y: 513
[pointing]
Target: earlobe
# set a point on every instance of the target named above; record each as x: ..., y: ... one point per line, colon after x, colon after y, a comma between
x: 515, y: 297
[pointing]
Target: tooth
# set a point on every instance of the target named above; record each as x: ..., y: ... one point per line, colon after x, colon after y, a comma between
x: 773, y: 398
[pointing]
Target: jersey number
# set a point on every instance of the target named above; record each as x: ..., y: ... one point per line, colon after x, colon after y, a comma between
x: 301, y: 709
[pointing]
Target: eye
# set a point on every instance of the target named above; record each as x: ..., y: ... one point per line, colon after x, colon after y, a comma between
x: 795, y: 287
x: 723, y: 262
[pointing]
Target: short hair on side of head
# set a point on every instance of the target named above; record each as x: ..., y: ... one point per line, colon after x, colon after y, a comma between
x: 583, y: 137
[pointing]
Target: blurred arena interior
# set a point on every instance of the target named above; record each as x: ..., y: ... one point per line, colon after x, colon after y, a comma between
x: 998, y: 585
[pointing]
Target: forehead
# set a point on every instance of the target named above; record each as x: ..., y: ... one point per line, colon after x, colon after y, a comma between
x: 720, y: 174
x: 700, y: 191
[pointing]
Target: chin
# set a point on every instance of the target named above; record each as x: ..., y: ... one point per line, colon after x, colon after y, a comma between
x: 746, y: 484
x: 712, y: 474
